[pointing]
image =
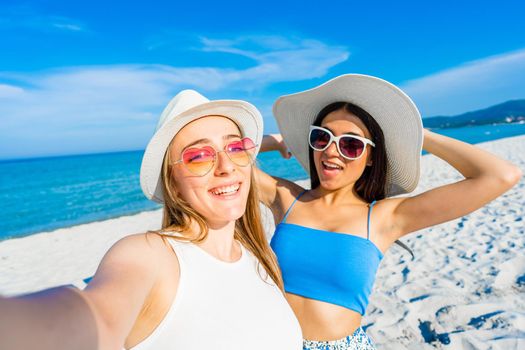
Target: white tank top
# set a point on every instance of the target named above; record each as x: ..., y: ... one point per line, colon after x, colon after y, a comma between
x: 224, y: 306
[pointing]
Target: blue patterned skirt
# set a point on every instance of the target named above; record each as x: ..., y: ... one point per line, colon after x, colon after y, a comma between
x: 357, y: 341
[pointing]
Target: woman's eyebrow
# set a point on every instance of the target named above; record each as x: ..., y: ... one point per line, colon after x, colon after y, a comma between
x: 206, y: 140
x: 231, y: 136
x: 344, y: 133
x: 352, y: 133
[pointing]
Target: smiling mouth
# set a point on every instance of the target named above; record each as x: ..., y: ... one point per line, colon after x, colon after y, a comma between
x: 225, y: 190
x: 331, y: 166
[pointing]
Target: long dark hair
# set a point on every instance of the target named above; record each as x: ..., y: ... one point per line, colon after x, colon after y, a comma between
x: 372, y: 183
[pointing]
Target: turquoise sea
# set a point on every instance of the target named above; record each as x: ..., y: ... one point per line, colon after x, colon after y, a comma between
x: 48, y: 193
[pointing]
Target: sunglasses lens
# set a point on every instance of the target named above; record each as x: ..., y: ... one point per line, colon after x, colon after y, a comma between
x: 199, y: 161
x: 351, y: 147
x: 241, y: 152
x: 319, y: 139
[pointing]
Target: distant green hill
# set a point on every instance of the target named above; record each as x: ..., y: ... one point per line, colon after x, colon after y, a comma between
x: 507, y: 112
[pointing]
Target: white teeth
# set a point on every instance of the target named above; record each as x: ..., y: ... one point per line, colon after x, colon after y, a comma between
x: 331, y: 165
x: 225, y: 190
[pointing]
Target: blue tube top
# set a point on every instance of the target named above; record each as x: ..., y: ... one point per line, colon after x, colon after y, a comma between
x: 337, y: 268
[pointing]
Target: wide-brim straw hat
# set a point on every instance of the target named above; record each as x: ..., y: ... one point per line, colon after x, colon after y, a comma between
x: 393, y: 110
x: 185, y: 107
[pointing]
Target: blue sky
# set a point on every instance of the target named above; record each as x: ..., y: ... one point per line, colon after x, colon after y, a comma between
x: 94, y: 76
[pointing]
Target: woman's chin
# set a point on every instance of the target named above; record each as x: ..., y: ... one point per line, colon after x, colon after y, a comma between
x: 334, y: 184
x: 225, y: 216
x: 329, y: 185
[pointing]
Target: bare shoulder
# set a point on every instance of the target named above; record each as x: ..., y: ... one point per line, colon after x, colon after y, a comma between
x: 272, y: 188
x: 132, y: 271
x: 154, y: 241
x: 137, y: 261
x: 164, y: 289
x: 149, y: 246
x: 276, y: 193
x: 288, y: 189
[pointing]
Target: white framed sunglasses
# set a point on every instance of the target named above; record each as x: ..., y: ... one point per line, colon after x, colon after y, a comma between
x: 349, y: 146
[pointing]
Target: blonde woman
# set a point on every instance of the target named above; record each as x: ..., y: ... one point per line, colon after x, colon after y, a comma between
x: 207, y: 280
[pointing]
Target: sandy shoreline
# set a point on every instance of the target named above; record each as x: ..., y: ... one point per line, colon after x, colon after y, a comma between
x: 465, y: 289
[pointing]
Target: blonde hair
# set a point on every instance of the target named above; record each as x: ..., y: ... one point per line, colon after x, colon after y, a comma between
x: 178, y: 216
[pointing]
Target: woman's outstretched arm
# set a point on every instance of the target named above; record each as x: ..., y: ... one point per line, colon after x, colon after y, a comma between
x: 99, y: 317
x: 486, y: 177
x: 51, y: 319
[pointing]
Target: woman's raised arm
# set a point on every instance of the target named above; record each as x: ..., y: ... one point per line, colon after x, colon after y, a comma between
x: 270, y: 187
x: 486, y: 177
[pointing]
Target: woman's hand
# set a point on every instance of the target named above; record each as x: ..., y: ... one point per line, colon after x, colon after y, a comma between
x: 275, y: 142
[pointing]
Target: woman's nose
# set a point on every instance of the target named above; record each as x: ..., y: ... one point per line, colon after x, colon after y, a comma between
x: 332, y: 150
x: 224, y: 164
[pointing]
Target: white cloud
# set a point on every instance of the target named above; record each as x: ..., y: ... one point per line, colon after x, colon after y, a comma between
x: 473, y: 85
x: 68, y: 26
x: 279, y: 58
x: 9, y: 91
x: 115, y: 107
x: 23, y: 16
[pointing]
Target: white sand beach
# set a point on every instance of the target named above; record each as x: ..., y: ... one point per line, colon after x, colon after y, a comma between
x: 465, y: 289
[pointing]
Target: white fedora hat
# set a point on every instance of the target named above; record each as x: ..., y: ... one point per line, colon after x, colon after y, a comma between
x: 185, y: 107
x: 392, y: 109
